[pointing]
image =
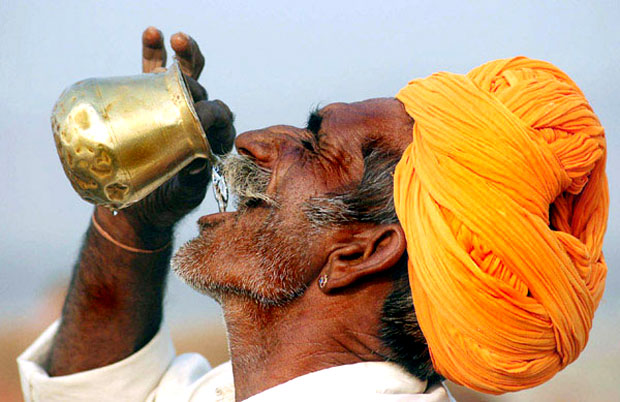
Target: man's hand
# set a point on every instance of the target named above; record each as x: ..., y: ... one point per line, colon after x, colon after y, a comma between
x: 186, y: 190
x: 114, y: 303
x: 148, y: 223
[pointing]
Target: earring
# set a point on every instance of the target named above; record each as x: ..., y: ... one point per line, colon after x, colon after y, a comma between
x: 322, y: 281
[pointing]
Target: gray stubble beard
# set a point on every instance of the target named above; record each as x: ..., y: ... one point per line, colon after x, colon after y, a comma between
x: 278, y: 251
x: 275, y: 279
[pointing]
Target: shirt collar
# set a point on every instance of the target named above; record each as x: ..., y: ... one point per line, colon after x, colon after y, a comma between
x: 334, y: 383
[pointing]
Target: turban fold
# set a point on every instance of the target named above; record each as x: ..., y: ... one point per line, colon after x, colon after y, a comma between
x: 503, y: 199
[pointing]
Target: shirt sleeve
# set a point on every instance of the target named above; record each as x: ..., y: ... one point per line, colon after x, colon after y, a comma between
x: 131, y: 379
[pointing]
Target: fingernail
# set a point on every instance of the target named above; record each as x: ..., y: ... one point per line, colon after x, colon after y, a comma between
x: 179, y: 39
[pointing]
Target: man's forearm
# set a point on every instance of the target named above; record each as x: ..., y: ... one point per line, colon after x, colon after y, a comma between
x: 114, y: 304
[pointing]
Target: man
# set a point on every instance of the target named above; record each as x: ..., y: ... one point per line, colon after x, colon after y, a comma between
x: 313, y: 271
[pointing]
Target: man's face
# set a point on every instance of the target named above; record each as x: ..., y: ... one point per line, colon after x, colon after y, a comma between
x: 269, y: 252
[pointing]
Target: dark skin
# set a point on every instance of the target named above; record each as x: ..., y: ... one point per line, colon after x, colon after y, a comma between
x: 343, y: 316
x: 114, y: 304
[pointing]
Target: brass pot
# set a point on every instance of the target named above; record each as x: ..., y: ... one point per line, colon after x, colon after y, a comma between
x: 120, y: 138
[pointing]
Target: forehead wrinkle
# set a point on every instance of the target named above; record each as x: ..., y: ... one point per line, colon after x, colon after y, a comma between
x: 341, y: 163
x: 351, y: 128
x: 382, y: 122
x: 344, y: 129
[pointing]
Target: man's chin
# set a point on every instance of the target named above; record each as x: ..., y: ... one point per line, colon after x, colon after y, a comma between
x: 192, y: 259
x: 223, y: 281
x: 221, y: 288
x: 244, y: 255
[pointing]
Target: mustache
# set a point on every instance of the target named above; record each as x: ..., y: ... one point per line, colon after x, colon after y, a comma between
x: 247, y: 181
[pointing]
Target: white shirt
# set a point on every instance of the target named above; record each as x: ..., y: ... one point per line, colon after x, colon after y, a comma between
x: 156, y: 374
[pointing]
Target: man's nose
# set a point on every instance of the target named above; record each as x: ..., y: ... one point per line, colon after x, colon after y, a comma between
x: 264, y: 145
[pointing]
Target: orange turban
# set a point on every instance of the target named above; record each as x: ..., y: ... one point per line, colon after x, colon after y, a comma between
x: 503, y: 199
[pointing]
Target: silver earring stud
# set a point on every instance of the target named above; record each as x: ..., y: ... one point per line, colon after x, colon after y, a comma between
x: 322, y: 281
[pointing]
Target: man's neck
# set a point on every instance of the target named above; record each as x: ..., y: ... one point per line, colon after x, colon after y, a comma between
x: 272, y: 345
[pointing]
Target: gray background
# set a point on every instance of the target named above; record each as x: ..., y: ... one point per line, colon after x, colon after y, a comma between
x: 272, y: 62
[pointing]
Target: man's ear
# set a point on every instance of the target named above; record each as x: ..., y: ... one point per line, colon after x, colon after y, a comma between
x: 369, y: 252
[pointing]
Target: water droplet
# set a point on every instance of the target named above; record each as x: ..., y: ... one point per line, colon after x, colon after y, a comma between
x: 220, y: 189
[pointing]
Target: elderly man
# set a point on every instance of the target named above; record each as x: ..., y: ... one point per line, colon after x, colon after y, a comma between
x: 338, y: 225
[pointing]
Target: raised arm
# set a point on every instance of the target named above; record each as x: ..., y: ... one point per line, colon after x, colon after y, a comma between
x: 114, y: 304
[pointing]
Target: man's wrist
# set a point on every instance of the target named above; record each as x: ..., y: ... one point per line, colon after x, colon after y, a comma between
x: 127, y: 229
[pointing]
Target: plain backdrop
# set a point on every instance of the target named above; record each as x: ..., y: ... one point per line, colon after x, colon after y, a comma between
x: 272, y: 62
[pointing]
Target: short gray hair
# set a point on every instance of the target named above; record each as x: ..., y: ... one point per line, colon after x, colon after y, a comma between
x: 372, y: 201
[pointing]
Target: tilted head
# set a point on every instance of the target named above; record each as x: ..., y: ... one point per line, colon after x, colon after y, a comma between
x: 269, y: 250
x: 501, y: 201
x: 316, y: 202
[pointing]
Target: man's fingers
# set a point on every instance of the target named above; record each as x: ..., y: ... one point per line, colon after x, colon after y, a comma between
x: 188, y: 54
x: 153, y: 50
x: 196, y: 90
x: 217, y: 121
x: 186, y: 50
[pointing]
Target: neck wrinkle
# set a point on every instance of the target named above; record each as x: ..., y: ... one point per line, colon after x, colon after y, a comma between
x: 272, y: 345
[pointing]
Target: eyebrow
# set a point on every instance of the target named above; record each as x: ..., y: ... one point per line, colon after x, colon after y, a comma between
x: 314, y: 122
